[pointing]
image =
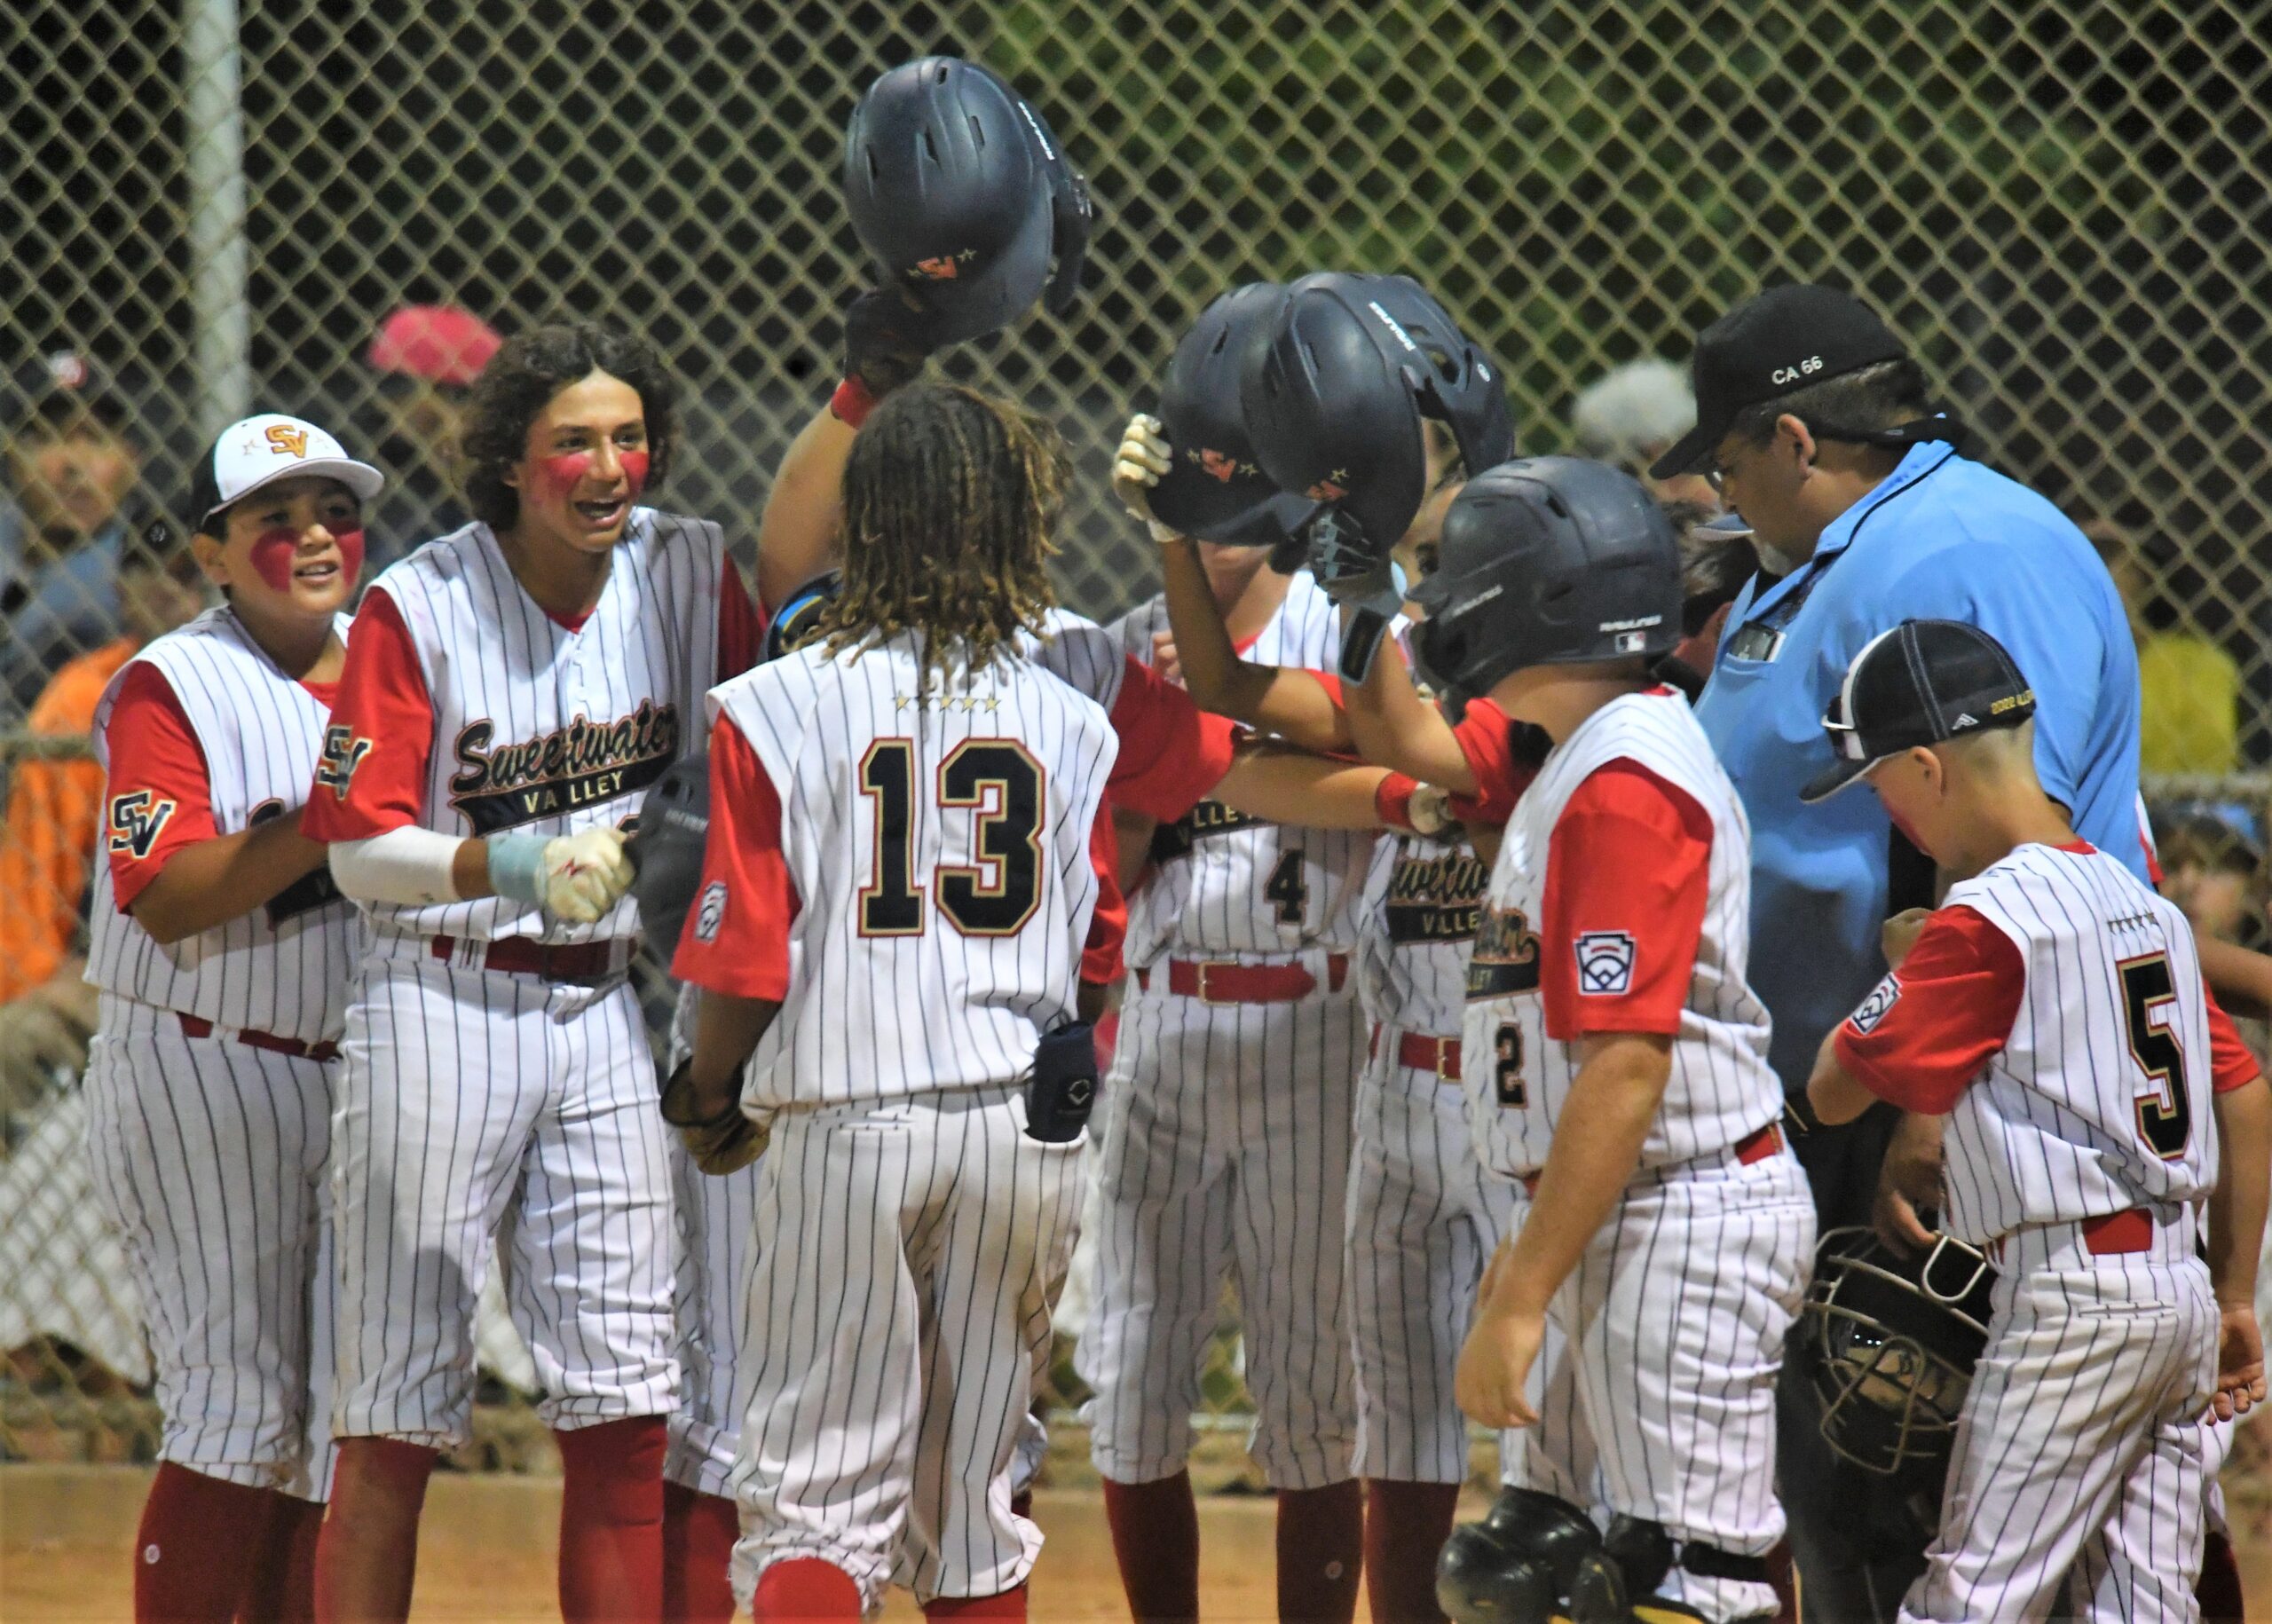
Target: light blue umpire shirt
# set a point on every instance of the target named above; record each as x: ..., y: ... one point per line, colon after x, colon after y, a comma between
x: 1941, y: 537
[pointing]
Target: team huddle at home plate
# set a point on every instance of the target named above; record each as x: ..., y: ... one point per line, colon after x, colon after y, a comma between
x: 1730, y: 1046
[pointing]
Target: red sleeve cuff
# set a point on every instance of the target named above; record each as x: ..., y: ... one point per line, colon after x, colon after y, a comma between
x: 737, y: 935
x: 372, y: 775
x: 1171, y: 753
x: 1486, y: 739
x: 2231, y: 1064
x: 158, y: 797
x: 1931, y: 1027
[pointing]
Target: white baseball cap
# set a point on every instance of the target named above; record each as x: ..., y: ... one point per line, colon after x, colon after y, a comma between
x: 262, y: 450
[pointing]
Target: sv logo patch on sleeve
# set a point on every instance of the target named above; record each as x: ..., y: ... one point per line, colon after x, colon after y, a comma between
x: 1874, y: 1008
x: 136, y: 821
x: 712, y: 913
x: 343, y: 753
x: 1605, y: 963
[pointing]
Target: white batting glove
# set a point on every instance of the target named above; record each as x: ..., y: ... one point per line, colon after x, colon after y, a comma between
x: 1143, y: 457
x: 1431, y: 810
x: 583, y: 875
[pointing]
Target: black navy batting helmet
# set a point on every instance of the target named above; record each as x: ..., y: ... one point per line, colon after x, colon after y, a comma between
x: 1531, y: 1558
x: 1889, y: 1343
x: 960, y: 191
x: 1547, y: 560
x: 1216, y: 490
x: 666, y: 851
x: 1334, y: 403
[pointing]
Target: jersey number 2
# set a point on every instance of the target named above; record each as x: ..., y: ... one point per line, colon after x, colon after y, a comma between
x: 2150, y: 1004
x: 1507, y: 1067
x: 995, y: 896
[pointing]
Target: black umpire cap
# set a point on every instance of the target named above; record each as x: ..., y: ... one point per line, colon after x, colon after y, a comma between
x: 1782, y: 340
x: 1923, y: 682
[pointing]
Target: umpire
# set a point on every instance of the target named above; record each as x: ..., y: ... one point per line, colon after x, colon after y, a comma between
x: 1814, y: 423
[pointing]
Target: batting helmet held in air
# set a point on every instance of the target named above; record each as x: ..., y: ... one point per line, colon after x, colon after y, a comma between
x: 1216, y: 490
x: 1547, y: 560
x: 800, y: 616
x: 1334, y: 403
x: 1889, y: 1343
x: 959, y: 191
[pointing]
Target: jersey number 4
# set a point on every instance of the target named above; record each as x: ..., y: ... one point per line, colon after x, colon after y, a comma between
x: 995, y: 896
x: 2150, y: 1004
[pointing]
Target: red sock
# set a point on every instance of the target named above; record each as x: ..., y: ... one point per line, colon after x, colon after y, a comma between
x: 1784, y: 1577
x: 1406, y: 1525
x: 283, y: 1590
x: 698, y: 1534
x: 193, y: 1554
x: 1320, y: 1553
x: 1008, y: 1605
x: 2218, y: 1591
x: 1155, y: 1540
x: 367, y: 1557
x: 612, y: 1520
x: 804, y: 1590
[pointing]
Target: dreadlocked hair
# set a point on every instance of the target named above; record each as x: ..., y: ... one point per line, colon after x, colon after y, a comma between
x: 950, y: 498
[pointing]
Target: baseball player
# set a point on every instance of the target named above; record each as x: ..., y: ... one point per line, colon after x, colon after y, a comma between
x: 900, y: 876
x: 1615, y: 1060
x: 2053, y: 1009
x: 509, y: 690
x: 223, y: 953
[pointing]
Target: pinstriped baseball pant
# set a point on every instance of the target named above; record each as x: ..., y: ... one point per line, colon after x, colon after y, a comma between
x: 474, y: 1103
x: 208, y: 1155
x: 1226, y: 1147
x: 897, y: 1315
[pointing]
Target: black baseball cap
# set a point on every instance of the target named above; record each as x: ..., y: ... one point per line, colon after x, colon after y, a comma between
x: 1921, y: 683
x: 1779, y: 340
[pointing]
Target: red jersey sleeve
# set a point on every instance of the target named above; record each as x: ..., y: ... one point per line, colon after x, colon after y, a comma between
x: 1922, y: 1037
x: 372, y: 777
x: 159, y: 796
x: 1628, y: 875
x: 1486, y: 739
x: 741, y: 625
x: 2231, y: 1066
x: 1101, y: 962
x: 1171, y: 753
x: 736, y: 940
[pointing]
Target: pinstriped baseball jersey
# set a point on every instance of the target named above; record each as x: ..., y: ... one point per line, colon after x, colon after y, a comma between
x: 1227, y: 883
x: 1520, y: 1060
x: 537, y: 726
x: 935, y: 832
x: 1423, y: 900
x: 2100, y: 1098
x: 284, y: 967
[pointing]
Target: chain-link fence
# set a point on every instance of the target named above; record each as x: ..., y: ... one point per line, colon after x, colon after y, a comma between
x: 2064, y: 205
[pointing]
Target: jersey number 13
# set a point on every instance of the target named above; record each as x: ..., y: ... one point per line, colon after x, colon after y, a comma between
x: 1001, y: 784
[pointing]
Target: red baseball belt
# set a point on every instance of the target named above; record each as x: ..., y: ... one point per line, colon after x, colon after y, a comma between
x: 1418, y: 1052
x: 1750, y: 1149
x: 573, y: 961
x: 1222, y: 981
x: 197, y: 1026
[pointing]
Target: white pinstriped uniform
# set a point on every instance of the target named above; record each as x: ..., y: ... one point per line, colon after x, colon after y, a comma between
x: 2098, y: 1368
x: 1677, y: 1313
x: 1226, y: 1143
x: 908, y: 1232
x: 477, y: 1102
x: 1423, y: 1216
x: 714, y: 1223
x: 210, y: 1154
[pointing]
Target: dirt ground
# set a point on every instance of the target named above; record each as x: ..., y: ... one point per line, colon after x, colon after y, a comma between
x: 66, y: 1532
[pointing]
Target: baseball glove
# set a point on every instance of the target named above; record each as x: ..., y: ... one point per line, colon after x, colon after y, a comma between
x: 720, y: 1145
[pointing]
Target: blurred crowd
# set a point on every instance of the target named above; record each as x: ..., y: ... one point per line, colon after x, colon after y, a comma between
x: 91, y: 569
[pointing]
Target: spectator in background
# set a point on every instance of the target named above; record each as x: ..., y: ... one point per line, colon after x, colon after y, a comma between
x: 2189, y: 720
x: 426, y: 357
x: 2212, y: 867
x: 1630, y: 416
x: 71, y: 466
x: 54, y: 814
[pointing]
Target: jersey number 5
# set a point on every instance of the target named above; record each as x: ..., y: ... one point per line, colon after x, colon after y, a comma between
x: 2150, y: 1004
x: 994, y: 896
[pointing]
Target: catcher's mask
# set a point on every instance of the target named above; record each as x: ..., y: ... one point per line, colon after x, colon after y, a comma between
x: 1891, y: 1344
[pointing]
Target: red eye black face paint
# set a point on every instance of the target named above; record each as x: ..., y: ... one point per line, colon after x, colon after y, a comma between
x: 274, y: 554
x: 350, y: 554
x: 564, y: 473
x: 634, y: 471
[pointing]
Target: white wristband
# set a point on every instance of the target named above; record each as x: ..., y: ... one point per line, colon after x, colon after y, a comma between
x: 409, y: 866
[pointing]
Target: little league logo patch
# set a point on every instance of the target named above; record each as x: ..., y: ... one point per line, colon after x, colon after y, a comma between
x: 1874, y: 1008
x: 1605, y: 963
x: 712, y: 913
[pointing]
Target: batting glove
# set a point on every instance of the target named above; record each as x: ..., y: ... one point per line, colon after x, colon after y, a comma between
x: 886, y: 340
x: 1143, y: 457
x: 585, y: 874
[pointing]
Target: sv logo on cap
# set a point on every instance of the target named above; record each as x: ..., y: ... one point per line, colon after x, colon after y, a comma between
x: 286, y: 439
